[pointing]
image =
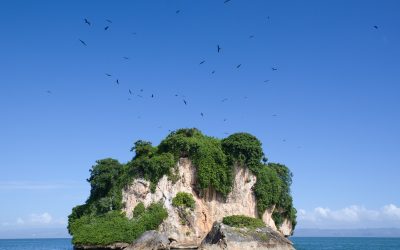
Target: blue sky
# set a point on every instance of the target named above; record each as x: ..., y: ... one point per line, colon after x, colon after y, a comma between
x: 330, y: 112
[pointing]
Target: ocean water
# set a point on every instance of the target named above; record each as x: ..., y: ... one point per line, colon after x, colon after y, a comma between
x: 345, y: 243
x: 36, y: 244
x: 301, y: 243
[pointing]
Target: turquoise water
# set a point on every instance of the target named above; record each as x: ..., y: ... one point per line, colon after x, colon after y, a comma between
x: 301, y: 243
x: 36, y: 244
x: 343, y: 243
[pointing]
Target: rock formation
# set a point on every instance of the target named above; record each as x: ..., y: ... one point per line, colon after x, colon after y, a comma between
x: 189, y: 229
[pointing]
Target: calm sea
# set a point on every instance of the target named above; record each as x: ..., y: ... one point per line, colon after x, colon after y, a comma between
x: 301, y: 243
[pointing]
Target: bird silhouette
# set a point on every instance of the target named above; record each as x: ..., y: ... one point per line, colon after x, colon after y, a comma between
x: 152, y: 95
x: 251, y: 36
x: 238, y: 66
x: 376, y: 27
x: 274, y: 69
x: 108, y: 20
x: 224, y: 100
x: 87, y: 22
x: 266, y: 81
x: 212, y: 72
x: 202, y: 62
x: 202, y: 114
x: 48, y: 92
x: 225, y: 119
x: 226, y: 1
x: 126, y: 58
x: 218, y: 48
x: 177, y: 12
x: 130, y: 92
x: 117, y: 81
x: 108, y: 74
x: 106, y: 28
x: 83, y: 42
x: 185, y: 102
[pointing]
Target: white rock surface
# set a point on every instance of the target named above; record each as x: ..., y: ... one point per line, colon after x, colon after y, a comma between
x: 209, y: 208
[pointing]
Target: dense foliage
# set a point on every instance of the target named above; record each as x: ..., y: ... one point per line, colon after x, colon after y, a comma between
x: 114, y: 226
x: 106, y: 190
x: 214, y: 160
x: 244, y: 149
x: 183, y: 199
x: 243, y: 221
x: 273, y: 180
x: 206, y: 154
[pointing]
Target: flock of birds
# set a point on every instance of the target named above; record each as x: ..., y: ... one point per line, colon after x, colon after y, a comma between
x: 140, y: 93
x: 87, y: 22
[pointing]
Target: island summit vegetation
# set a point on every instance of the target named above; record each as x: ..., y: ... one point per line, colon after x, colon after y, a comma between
x: 100, y: 221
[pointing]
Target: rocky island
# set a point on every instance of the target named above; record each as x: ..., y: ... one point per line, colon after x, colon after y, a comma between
x: 191, y: 191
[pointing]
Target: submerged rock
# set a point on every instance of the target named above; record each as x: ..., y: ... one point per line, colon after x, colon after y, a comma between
x: 222, y: 236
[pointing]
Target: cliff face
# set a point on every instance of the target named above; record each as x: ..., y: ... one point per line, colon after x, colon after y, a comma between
x: 189, y: 228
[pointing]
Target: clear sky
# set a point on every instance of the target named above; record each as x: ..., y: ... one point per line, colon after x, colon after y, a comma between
x: 330, y: 112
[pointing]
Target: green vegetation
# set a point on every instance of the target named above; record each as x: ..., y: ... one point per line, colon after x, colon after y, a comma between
x: 273, y: 180
x: 213, y: 159
x: 206, y: 154
x: 243, y: 221
x: 184, y: 200
x: 138, y: 210
x: 114, y: 226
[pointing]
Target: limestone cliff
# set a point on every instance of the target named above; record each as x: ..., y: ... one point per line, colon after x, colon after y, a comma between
x: 190, y: 228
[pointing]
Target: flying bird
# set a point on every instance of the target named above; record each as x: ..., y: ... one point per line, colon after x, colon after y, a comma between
x: 141, y: 90
x: 130, y: 92
x: 273, y: 69
x: 225, y: 119
x: 106, y: 28
x: 152, y: 95
x: 184, y: 101
x: 266, y: 81
x: 376, y: 27
x: 227, y: 1
x: 238, y: 66
x: 218, y: 48
x: 108, y: 20
x: 48, y: 92
x: 212, y: 72
x: 117, y: 81
x: 224, y: 100
x: 83, y: 42
x: 251, y: 36
x: 108, y: 74
x: 87, y: 22
x: 177, y: 12
x: 202, y: 62
x: 202, y: 114
x: 126, y: 58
